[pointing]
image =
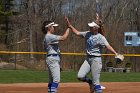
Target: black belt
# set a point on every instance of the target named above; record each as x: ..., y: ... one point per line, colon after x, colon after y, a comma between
x: 91, y: 56
x: 52, y: 55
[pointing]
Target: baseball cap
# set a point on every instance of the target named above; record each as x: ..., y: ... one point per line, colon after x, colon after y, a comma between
x: 92, y: 24
x: 52, y: 23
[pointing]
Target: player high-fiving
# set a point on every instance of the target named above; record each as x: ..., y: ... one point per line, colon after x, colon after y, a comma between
x: 93, y: 62
x: 53, y: 54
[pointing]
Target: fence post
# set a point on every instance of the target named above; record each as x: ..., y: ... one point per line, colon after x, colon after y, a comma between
x: 45, y: 63
x: 15, y: 60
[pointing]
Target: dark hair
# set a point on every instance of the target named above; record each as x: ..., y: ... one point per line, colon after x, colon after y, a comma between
x: 45, y: 29
x: 101, y: 29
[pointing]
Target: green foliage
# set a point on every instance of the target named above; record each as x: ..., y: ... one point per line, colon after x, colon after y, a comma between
x: 109, y: 64
x: 6, y: 11
x: 128, y: 65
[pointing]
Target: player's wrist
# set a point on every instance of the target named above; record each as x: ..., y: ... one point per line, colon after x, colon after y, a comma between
x: 69, y: 26
x: 116, y: 54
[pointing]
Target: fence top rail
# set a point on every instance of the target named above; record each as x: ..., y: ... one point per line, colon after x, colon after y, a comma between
x: 63, y: 53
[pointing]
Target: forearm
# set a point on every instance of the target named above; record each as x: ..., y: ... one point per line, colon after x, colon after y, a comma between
x: 65, y: 35
x: 111, y: 49
x: 74, y: 30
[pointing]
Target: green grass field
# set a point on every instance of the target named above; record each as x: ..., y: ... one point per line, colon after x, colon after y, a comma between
x: 23, y: 76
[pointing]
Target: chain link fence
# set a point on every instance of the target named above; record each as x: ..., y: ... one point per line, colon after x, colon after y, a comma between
x: 69, y: 61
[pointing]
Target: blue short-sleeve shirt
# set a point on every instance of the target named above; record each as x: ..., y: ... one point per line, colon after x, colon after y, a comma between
x: 94, y: 43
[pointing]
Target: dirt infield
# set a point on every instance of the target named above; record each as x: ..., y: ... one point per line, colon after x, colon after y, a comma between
x: 111, y: 87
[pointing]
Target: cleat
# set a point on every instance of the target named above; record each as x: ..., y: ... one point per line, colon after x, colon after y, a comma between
x: 98, y: 89
x: 102, y: 87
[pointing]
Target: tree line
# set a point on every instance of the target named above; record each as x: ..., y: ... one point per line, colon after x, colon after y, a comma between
x: 21, y: 20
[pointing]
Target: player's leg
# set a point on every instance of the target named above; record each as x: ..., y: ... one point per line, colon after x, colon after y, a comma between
x: 56, y: 77
x: 96, y: 67
x: 50, y: 76
x: 84, y: 69
x: 55, y: 70
x: 50, y: 80
x: 55, y: 74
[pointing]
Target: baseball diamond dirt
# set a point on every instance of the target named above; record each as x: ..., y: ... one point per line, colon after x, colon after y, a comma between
x: 111, y: 87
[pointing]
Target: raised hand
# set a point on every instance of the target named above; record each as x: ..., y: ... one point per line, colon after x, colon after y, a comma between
x: 67, y: 21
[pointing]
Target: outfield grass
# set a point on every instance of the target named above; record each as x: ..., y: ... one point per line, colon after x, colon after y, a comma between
x: 120, y: 77
x: 23, y: 76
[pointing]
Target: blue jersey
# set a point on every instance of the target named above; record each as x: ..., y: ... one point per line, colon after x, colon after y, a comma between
x: 94, y: 43
x: 51, y: 44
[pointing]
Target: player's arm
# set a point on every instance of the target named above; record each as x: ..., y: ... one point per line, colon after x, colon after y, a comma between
x: 72, y: 28
x: 75, y: 30
x: 65, y: 35
x: 108, y: 46
x: 119, y: 57
x: 111, y: 49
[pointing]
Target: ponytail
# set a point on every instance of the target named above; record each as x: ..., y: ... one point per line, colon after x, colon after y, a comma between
x: 101, y: 29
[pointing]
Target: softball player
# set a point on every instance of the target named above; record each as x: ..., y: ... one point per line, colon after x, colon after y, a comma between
x: 94, y: 43
x: 53, y: 54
